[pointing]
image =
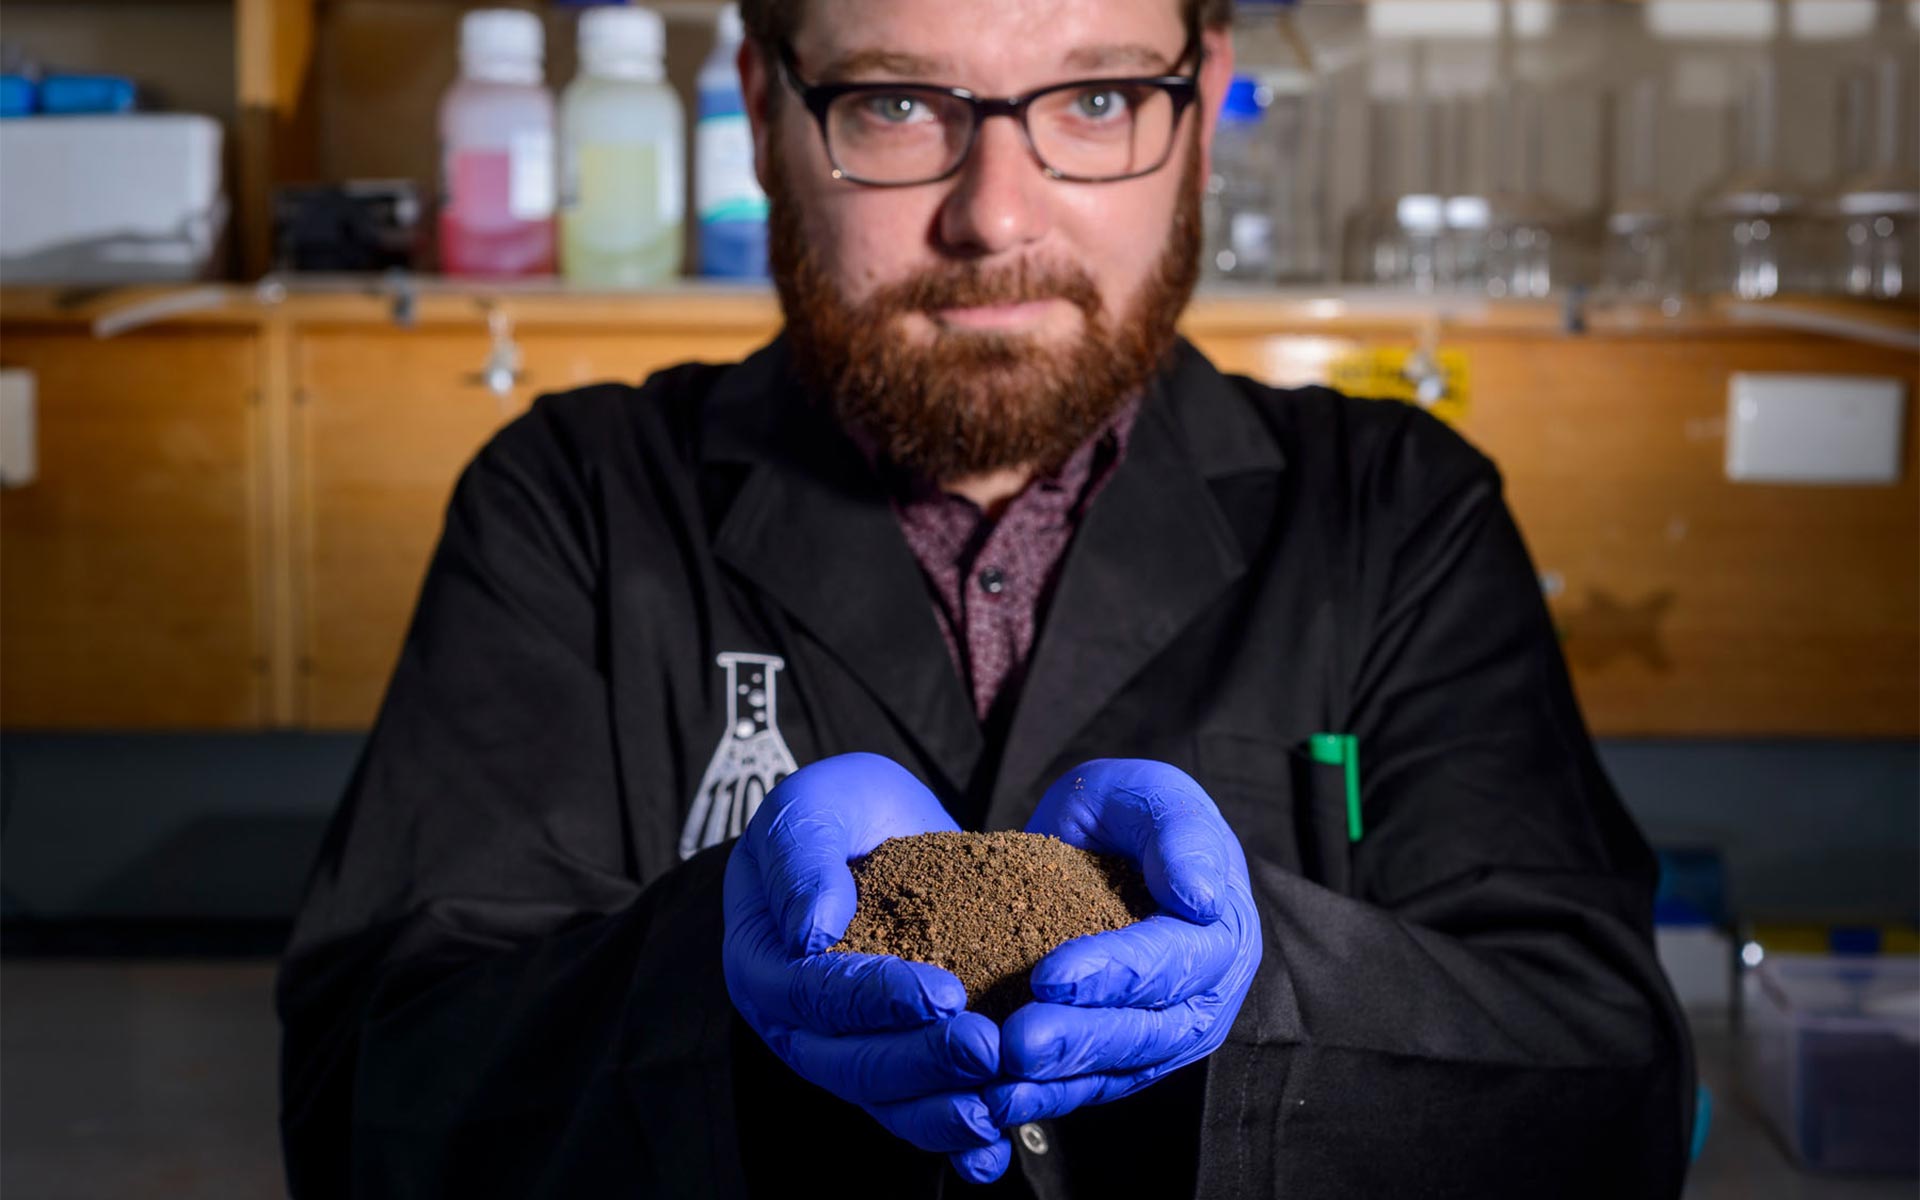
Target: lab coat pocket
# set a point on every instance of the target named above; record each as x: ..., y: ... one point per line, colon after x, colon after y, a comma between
x: 1286, y: 808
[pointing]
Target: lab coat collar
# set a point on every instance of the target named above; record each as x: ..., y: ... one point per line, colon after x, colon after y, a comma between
x: 811, y: 527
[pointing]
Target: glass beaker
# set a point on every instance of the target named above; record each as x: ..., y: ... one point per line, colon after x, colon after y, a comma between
x: 1531, y: 236
x: 1644, y: 241
x: 1268, y: 197
x: 1756, y: 234
x: 1398, y: 238
x: 1872, y: 234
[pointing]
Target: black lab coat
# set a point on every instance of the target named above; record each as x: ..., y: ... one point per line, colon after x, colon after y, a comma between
x: 505, y: 980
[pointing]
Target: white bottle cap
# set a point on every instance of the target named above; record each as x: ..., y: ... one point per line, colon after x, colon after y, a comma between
x: 502, y: 45
x: 623, y: 41
x: 729, y: 27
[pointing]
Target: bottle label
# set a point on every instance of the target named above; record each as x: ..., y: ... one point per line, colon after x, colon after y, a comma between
x: 480, y: 189
x: 726, y: 189
x: 620, y: 193
x: 530, y: 190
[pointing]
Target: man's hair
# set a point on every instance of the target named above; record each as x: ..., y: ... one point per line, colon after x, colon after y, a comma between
x: 771, y: 22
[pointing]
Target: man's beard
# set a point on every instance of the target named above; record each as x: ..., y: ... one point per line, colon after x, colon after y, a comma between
x: 970, y: 403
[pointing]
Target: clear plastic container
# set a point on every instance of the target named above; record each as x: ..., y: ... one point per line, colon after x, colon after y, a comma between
x: 1463, y: 131
x: 496, y: 140
x: 1296, y: 124
x: 1832, y: 1050
x: 1401, y: 238
x: 1533, y: 241
x: 728, y: 203
x: 1757, y: 234
x: 1645, y: 250
x: 1872, y: 233
x: 1270, y: 192
x: 1240, y: 193
x: 622, y: 156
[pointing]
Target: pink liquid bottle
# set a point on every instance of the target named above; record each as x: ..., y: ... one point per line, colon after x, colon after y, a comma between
x: 497, y: 151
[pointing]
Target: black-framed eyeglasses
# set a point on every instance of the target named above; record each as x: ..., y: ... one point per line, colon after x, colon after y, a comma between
x: 887, y: 134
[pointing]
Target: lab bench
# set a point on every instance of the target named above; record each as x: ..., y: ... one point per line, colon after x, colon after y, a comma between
x: 235, y: 489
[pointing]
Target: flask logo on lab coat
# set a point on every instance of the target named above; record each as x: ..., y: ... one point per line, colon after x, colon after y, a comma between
x: 751, y: 758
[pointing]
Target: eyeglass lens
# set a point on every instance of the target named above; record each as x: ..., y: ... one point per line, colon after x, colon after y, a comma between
x: 906, y: 135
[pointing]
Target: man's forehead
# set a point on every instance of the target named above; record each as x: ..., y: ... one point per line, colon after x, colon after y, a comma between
x: 946, y: 39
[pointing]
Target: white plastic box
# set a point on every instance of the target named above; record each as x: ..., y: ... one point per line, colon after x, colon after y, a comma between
x: 130, y: 198
x: 1832, y: 1049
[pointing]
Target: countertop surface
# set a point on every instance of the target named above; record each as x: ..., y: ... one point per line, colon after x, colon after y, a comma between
x: 157, y: 1079
x: 1217, y: 308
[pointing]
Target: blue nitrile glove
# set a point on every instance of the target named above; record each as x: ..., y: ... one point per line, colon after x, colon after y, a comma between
x: 889, y: 1035
x: 1115, y: 1011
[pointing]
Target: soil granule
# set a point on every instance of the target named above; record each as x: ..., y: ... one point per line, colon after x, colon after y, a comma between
x: 987, y: 906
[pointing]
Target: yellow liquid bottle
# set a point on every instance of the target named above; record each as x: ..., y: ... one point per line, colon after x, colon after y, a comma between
x: 622, y: 157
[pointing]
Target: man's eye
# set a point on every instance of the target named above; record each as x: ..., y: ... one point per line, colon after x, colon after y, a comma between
x: 897, y: 110
x: 1101, y: 104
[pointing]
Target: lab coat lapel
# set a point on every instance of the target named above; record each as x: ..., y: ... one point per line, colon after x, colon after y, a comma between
x: 1152, y: 552
x: 812, y: 528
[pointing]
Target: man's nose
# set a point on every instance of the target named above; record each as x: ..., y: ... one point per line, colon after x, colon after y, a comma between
x: 999, y: 199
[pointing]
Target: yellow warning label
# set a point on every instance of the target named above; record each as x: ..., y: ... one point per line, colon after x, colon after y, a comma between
x: 1436, y: 381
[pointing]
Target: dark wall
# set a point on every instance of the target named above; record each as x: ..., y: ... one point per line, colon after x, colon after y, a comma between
x: 112, y: 826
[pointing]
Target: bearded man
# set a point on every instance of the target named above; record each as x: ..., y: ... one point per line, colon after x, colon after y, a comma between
x: 978, y: 542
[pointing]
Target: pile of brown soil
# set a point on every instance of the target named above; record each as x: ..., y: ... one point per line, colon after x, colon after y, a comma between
x: 987, y: 906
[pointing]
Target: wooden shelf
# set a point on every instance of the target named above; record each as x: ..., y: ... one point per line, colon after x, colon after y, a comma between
x: 435, y: 300
x: 302, y: 443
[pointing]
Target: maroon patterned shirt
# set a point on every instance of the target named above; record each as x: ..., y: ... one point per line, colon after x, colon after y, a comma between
x: 991, y: 579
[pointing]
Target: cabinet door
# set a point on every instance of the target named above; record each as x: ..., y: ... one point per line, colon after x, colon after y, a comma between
x: 1689, y: 604
x: 385, y: 421
x: 127, y: 591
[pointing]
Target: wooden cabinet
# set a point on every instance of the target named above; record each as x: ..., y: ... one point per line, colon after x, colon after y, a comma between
x: 386, y: 417
x: 384, y: 423
x: 235, y: 512
x: 129, y: 586
x: 1688, y: 603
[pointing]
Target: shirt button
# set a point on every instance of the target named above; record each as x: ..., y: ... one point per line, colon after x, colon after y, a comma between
x: 1033, y: 1138
x: 992, y: 582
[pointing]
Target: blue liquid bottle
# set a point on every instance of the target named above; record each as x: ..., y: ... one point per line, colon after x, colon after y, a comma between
x: 728, y: 203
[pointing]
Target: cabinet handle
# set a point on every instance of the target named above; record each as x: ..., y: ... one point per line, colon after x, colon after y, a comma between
x: 19, y: 430
x: 501, y: 372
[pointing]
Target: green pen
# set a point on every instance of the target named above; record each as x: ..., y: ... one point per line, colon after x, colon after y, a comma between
x: 1342, y: 750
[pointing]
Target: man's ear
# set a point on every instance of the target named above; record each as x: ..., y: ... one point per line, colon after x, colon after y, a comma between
x: 756, y: 91
x: 1216, y: 73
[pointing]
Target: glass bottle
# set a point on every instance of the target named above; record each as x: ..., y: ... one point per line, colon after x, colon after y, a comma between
x: 1644, y: 249
x: 728, y: 202
x: 622, y: 155
x: 1755, y: 234
x: 1872, y: 236
x: 496, y: 140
